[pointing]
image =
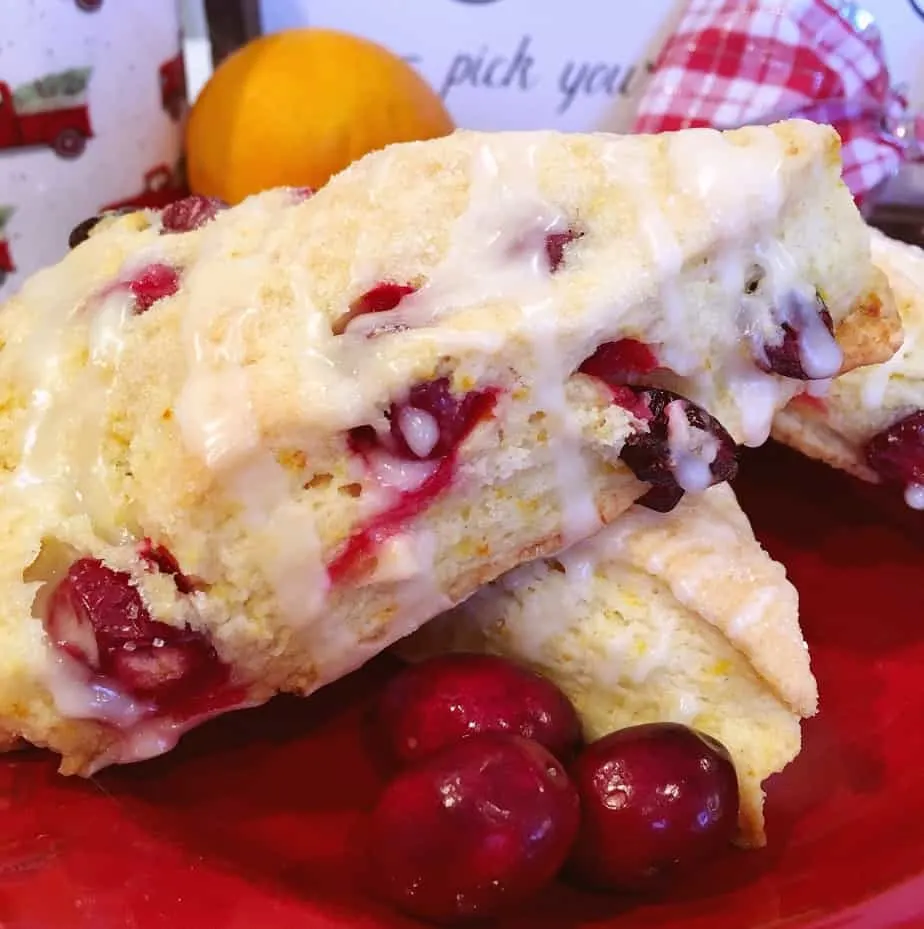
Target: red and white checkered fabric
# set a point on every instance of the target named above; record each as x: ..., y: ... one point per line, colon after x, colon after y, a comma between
x: 733, y: 62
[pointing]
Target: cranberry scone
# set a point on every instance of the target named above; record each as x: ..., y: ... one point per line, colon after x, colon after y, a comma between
x: 678, y: 617
x: 243, y: 450
x: 870, y: 422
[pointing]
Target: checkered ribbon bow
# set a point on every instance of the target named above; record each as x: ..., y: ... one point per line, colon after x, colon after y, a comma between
x: 733, y: 62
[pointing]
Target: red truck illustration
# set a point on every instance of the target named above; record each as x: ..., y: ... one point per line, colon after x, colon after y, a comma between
x: 161, y: 187
x: 173, y: 86
x: 6, y: 259
x: 49, y: 111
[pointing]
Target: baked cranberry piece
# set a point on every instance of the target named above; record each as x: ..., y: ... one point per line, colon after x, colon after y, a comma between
x: 655, y: 799
x: 807, y: 349
x: 190, y: 213
x: 379, y: 299
x: 81, y: 232
x: 662, y: 498
x: 430, y: 705
x: 161, y: 559
x: 555, y: 245
x: 358, y: 552
x: 96, y: 615
x: 429, y: 426
x: 897, y: 454
x: 617, y: 363
x: 433, y: 421
x: 684, y: 449
x: 809, y: 402
x: 473, y: 830
x: 153, y: 283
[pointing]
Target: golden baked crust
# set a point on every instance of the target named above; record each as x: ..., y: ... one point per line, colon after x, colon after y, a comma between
x: 678, y: 617
x: 873, y: 332
x: 206, y: 390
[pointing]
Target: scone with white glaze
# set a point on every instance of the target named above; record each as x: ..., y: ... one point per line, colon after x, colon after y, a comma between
x: 677, y: 617
x: 242, y: 451
x: 870, y: 422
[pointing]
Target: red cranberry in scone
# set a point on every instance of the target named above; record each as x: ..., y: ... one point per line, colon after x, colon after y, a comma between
x: 96, y: 616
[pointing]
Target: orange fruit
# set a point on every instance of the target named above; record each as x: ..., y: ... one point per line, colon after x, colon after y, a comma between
x: 293, y: 108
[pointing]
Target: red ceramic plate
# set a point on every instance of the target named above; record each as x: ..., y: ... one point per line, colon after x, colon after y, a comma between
x: 248, y: 825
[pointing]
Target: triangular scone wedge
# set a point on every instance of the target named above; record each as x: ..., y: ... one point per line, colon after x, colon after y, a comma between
x: 870, y: 422
x: 677, y: 617
x: 243, y: 451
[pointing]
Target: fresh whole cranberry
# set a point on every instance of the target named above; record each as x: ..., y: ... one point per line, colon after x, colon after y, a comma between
x: 684, y: 448
x: 471, y: 830
x: 807, y: 349
x: 190, y: 213
x: 440, y: 701
x: 655, y: 799
x: 897, y: 453
x: 96, y: 615
x: 153, y: 283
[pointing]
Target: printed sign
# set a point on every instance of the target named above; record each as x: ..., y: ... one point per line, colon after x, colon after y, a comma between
x: 530, y: 64
x: 507, y: 64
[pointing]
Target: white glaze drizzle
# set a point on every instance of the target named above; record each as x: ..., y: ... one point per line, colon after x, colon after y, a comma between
x: 914, y: 496
x: 687, y: 706
x: 692, y: 451
x: 420, y: 429
x: 752, y: 612
x: 820, y: 354
x: 503, y: 187
x: 398, y: 474
x: 704, y: 166
x: 148, y: 738
x: 215, y: 413
x: 819, y: 388
x: 78, y: 696
x: 667, y: 259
